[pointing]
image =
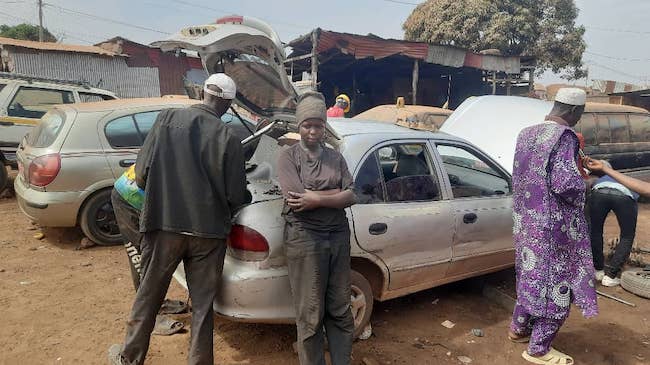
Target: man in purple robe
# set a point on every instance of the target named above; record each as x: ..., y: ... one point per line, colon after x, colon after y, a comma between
x: 553, y: 253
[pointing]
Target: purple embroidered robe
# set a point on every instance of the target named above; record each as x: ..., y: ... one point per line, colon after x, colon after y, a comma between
x: 553, y: 254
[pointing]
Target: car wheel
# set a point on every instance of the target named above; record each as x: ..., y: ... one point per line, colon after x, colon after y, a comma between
x: 637, y: 282
x: 361, y: 302
x: 4, y: 177
x: 97, y: 220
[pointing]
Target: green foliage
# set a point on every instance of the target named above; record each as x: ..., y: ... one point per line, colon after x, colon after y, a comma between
x: 544, y: 29
x: 25, y: 32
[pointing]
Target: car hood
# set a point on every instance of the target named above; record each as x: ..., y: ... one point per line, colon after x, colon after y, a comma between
x: 250, y: 52
x: 493, y: 123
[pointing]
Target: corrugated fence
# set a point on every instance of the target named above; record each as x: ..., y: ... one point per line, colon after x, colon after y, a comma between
x: 110, y: 73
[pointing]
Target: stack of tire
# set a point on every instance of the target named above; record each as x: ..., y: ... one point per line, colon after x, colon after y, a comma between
x: 637, y: 282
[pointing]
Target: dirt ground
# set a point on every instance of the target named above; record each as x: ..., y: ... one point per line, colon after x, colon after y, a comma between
x: 67, y: 306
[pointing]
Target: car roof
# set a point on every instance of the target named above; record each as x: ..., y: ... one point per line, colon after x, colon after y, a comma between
x: 612, y: 108
x: 346, y: 127
x: 62, y: 85
x: 110, y: 105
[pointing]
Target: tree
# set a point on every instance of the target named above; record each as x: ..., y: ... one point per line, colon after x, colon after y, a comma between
x: 544, y: 29
x: 26, y: 32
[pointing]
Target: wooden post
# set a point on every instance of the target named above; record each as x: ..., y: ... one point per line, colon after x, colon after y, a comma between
x: 508, y: 84
x: 416, y: 72
x: 314, y: 60
x: 531, y: 79
x: 494, y: 82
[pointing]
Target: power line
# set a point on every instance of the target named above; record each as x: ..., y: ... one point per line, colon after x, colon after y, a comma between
x: 223, y: 11
x: 619, y: 58
x: 108, y: 20
x: 635, y: 77
x: 614, y: 30
x: 65, y: 34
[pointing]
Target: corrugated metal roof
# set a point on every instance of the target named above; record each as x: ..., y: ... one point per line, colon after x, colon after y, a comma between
x: 375, y: 47
x: 56, y: 47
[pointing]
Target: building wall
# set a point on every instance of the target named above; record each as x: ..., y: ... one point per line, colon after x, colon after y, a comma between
x: 110, y: 73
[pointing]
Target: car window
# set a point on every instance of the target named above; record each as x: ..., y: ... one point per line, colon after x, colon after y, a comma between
x: 30, y: 102
x: 618, y: 128
x: 640, y: 127
x: 587, y: 126
x: 121, y: 132
x: 368, y: 183
x: 46, y: 131
x: 91, y: 97
x: 145, y: 121
x: 406, y: 173
x: 602, y: 130
x: 470, y: 175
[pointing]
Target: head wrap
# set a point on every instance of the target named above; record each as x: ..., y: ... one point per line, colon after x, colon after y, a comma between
x: 311, y: 105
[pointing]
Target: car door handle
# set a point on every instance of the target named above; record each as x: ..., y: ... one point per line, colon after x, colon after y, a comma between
x: 378, y: 228
x: 126, y: 163
x: 470, y: 218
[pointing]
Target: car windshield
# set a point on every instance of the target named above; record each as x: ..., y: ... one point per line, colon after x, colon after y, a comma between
x: 47, y: 130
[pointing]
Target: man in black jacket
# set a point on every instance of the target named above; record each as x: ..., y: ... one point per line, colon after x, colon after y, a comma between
x: 191, y: 168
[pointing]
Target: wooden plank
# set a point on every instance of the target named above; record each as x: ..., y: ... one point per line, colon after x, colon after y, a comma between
x: 416, y: 75
x: 314, y: 59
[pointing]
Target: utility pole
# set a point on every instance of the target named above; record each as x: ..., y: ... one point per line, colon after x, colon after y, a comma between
x: 40, y: 20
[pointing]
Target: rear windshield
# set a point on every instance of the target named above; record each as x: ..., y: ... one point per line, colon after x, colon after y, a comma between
x: 44, y: 134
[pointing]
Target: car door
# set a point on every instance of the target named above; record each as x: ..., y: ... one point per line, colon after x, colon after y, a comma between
x: 123, y: 136
x: 482, y: 209
x: 400, y: 215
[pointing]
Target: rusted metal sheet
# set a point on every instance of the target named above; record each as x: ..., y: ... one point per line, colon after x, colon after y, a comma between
x: 110, y: 73
x: 57, y: 47
x: 371, y: 46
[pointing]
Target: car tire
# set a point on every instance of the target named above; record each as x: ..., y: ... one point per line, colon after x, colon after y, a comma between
x: 361, y: 302
x: 4, y: 177
x: 637, y: 282
x: 97, y: 220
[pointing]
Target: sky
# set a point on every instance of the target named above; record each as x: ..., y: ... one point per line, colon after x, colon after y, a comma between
x: 617, y: 35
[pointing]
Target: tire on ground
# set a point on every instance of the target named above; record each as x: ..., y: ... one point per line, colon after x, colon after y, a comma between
x: 637, y: 282
x: 360, y: 285
x: 88, y: 222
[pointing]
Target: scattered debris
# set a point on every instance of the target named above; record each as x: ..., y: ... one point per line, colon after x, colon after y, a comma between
x: 448, y: 324
x: 418, y: 345
x: 39, y: 235
x: 369, y: 361
x: 367, y: 332
x: 27, y: 282
x: 477, y: 332
x: 640, y: 357
x: 85, y: 243
x: 615, y: 298
x: 85, y: 264
x: 464, y: 359
x: 435, y: 301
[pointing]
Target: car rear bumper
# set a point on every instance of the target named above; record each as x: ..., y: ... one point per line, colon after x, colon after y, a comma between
x: 249, y: 294
x: 48, y: 209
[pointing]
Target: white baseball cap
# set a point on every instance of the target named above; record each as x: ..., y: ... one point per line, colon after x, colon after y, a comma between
x: 571, y: 96
x: 224, y: 82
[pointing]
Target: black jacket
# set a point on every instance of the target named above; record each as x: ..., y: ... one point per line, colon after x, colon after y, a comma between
x: 191, y: 167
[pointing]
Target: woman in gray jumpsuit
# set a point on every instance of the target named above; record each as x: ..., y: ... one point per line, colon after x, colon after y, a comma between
x: 317, y: 187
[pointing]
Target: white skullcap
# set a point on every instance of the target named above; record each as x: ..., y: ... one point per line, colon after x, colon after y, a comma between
x: 224, y: 82
x: 571, y: 96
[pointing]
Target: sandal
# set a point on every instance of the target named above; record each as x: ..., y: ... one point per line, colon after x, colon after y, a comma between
x: 553, y: 357
x: 171, y: 306
x: 513, y: 337
x: 166, y: 326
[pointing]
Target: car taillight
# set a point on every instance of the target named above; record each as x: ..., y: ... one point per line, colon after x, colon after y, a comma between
x: 43, y: 169
x: 245, y: 243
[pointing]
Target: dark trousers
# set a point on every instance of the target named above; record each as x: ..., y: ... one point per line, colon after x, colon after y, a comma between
x: 161, y: 254
x: 128, y: 221
x: 319, y: 275
x: 602, y: 201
